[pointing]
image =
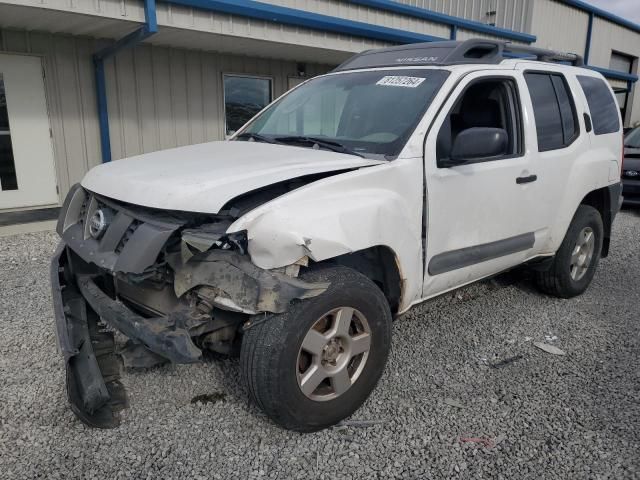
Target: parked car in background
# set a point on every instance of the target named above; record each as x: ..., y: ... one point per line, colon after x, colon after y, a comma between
x: 631, y: 168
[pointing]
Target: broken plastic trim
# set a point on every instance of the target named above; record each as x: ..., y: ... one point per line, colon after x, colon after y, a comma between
x: 92, y: 369
x: 235, y: 283
x: 161, y: 335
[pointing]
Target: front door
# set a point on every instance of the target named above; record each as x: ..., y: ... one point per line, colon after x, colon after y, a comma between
x: 482, y: 215
x: 27, y: 174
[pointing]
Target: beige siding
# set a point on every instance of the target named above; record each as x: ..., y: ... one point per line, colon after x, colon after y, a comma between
x: 157, y: 97
x: 608, y: 36
x: 161, y: 98
x: 510, y: 14
x: 120, y: 9
x: 559, y: 26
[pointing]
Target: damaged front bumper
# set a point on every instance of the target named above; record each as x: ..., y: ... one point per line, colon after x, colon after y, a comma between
x: 100, y: 285
x: 92, y: 368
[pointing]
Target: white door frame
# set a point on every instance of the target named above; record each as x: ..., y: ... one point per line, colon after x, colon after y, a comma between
x: 30, y: 132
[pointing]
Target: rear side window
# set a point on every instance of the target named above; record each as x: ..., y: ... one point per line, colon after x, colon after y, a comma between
x: 604, y: 112
x: 553, y: 109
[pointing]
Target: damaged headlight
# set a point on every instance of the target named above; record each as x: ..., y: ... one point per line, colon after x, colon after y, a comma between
x: 212, y: 236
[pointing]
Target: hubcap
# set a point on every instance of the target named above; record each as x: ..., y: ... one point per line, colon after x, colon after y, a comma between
x: 333, y: 354
x: 582, y: 253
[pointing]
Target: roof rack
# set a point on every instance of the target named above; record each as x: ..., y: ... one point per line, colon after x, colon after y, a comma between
x: 480, y: 51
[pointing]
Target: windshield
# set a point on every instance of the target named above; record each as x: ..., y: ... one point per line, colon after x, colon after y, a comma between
x: 632, y: 139
x: 364, y: 113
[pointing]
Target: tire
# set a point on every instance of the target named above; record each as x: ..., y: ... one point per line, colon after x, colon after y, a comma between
x: 272, y: 354
x: 564, y: 279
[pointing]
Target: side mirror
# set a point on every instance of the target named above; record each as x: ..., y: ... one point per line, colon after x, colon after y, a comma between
x: 478, y: 143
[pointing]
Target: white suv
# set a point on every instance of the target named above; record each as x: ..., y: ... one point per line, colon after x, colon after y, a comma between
x: 403, y: 174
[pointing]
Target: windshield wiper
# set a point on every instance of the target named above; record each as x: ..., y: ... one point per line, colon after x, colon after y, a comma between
x: 256, y: 137
x: 321, y: 142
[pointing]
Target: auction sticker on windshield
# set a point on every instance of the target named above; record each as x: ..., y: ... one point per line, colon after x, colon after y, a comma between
x: 400, y: 81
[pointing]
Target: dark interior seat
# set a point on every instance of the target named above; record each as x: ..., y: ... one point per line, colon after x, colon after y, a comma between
x: 476, y: 111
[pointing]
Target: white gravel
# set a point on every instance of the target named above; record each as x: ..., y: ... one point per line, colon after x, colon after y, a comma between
x: 441, y: 410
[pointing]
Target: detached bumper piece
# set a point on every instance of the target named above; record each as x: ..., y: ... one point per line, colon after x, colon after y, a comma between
x: 160, y: 335
x: 92, y: 366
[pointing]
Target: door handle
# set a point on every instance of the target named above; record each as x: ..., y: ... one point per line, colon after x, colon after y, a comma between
x: 529, y: 179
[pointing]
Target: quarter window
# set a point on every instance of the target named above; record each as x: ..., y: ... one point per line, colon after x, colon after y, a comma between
x: 602, y: 106
x: 244, y: 96
x: 553, y: 109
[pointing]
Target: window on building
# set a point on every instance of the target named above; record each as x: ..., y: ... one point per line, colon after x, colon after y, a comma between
x: 244, y: 96
x: 553, y: 109
x: 8, y: 179
x: 604, y: 113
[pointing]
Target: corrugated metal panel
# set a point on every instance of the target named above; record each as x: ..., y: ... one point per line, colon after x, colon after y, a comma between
x: 373, y: 16
x: 158, y: 97
x: 121, y: 9
x: 166, y: 97
x: 606, y: 37
x: 509, y: 14
x: 559, y: 26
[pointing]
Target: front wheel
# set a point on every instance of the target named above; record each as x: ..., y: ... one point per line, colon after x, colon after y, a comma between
x: 575, y: 262
x: 315, y: 364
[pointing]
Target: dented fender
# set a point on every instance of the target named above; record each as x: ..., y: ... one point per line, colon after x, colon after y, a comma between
x: 376, y: 206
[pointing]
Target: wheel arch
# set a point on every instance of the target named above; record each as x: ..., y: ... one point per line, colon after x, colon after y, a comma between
x: 381, y: 265
x: 606, y: 201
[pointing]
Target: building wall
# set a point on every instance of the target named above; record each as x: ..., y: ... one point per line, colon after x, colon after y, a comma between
x: 158, y: 97
x: 510, y: 14
x: 558, y: 26
x: 562, y: 27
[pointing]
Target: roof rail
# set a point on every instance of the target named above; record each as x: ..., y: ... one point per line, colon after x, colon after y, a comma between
x: 544, y: 55
x: 454, y: 53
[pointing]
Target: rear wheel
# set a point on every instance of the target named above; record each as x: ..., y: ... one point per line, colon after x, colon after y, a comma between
x: 312, y: 366
x: 575, y: 262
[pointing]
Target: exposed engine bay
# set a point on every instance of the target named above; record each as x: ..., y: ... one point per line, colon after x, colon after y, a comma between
x: 174, y: 283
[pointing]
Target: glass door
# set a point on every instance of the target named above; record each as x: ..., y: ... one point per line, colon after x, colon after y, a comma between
x: 27, y: 173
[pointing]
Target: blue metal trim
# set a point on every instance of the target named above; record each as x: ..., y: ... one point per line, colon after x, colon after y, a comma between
x: 602, y: 14
x: 432, y: 16
x: 300, y: 18
x: 587, y: 45
x: 127, y: 41
x: 615, y: 74
x: 103, y: 113
x: 150, y: 16
x: 149, y: 28
x: 454, y: 32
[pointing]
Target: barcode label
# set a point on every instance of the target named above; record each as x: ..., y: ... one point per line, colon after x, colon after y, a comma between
x: 399, y: 81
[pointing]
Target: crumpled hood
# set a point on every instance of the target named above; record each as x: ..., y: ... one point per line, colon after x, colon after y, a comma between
x: 202, y: 178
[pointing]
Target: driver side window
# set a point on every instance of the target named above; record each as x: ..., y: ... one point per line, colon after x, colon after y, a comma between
x: 483, y: 125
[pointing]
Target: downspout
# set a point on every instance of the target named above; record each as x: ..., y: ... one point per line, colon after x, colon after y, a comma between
x: 587, y: 45
x: 149, y: 28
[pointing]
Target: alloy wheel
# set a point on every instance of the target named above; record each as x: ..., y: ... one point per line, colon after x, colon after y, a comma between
x: 333, y: 354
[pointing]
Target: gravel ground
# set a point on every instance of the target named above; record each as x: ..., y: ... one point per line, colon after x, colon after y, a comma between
x: 443, y: 409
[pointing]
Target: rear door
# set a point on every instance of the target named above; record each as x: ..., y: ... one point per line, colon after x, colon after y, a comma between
x: 481, y: 215
x: 606, y: 128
